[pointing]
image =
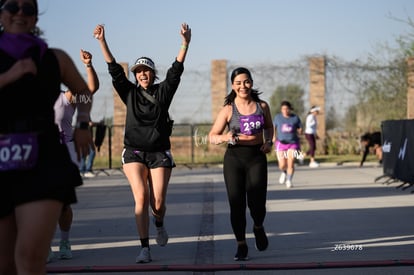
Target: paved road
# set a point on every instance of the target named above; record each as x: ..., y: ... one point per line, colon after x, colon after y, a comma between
x: 336, y: 220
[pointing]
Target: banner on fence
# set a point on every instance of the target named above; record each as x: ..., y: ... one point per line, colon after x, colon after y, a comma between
x: 398, y: 149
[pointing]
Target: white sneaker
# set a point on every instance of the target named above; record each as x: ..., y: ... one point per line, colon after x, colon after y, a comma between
x: 313, y: 164
x: 289, y: 184
x: 144, y: 256
x: 282, y: 178
x: 89, y: 175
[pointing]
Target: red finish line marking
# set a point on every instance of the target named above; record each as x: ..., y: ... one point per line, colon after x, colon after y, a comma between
x: 223, y: 267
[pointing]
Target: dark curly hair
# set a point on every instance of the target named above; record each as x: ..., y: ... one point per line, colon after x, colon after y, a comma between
x: 36, y: 31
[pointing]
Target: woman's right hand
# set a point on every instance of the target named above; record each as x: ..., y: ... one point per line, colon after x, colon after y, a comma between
x: 231, y: 138
x: 18, y: 70
x: 99, y: 32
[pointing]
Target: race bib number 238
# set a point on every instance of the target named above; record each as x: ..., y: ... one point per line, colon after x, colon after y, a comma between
x: 251, y: 124
x: 18, y: 151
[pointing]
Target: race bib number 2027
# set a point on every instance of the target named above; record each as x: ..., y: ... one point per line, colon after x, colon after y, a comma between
x: 18, y: 151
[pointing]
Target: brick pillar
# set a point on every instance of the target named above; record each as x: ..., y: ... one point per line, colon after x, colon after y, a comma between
x: 410, y: 87
x: 119, y: 122
x: 218, y: 85
x: 317, y: 75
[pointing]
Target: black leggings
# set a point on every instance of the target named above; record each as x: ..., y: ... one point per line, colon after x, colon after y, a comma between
x: 245, y: 173
x: 312, y: 144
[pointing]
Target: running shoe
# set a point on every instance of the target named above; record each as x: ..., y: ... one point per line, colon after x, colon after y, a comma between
x: 261, y: 239
x: 289, y: 184
x: 282, y: 178
x: 241, y: 254
x: 65, y: 251
x: 89, y: 174
x: 162, y: 236
x: 144, y: 256
x: 313, y: 164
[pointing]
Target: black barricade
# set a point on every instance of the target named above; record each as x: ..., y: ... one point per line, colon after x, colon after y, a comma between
x: 398, y: 149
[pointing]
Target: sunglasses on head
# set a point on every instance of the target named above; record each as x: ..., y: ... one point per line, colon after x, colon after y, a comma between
x: 13, y: 8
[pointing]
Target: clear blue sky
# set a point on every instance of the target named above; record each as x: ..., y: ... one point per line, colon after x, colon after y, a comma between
x: 246, y: 32
x: 243, y: 30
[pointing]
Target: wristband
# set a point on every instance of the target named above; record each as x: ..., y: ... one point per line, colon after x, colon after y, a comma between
x: 269, y: 142
x: 88, y: 65
x: 83, y: 125
x: 184, y: 47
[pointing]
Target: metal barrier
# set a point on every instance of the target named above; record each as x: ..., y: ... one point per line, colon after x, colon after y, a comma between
x: 397, y: 147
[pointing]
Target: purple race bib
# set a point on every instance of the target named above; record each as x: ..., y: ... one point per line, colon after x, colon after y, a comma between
x: 18, y: 151
x: 251, y: 124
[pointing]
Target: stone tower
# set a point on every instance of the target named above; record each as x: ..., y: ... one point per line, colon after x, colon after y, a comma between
x: 218, y: 86
x: 317, y: 90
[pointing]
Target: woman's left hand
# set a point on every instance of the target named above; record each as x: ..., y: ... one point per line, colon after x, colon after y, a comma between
x: 185, y: 33
x: 266, y: 148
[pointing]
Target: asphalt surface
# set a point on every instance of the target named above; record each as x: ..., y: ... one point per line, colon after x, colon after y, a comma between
x: 335, y: 220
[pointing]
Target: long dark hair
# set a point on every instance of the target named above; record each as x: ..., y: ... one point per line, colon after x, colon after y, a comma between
x: 232, y: 95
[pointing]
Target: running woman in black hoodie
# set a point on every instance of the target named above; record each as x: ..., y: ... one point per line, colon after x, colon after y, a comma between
x: 146, y: 158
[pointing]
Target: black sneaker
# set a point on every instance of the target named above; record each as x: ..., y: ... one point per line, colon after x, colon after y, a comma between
x: 241, y: 254
x: 261, y: 238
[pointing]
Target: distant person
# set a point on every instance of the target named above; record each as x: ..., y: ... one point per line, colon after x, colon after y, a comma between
x: 65, y: 107
x: 287, y: 146
x: 146, y: 159
x: 368, y: 141
x: 40, y: 178
x: 311, y: 134
x: 245, y: 123
x: 86, y: 163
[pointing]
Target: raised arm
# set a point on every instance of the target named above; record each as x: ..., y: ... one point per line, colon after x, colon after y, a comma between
x: 72, y: 78
x: 185, y: 33
x: 92, y: 77
x: 99, y: 34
